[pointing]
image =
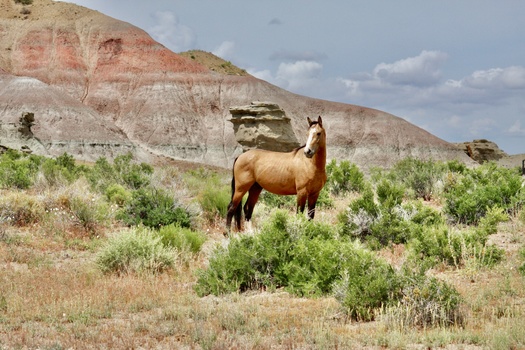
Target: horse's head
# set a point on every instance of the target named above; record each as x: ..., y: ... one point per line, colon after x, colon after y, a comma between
x: 316, y: 137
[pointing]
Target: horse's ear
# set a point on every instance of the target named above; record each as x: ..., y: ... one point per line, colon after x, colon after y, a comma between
x: 320, y: 121
x: 309, y: 121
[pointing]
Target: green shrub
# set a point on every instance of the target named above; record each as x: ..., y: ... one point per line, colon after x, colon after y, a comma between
x: 89, y: 211
x: 278, y: 201
x: 366, y: 284
x: 386, y: 220
x: 425, y: 301
x: 123, y: 172
x: 419, y: 176
x: 24, y: 2
x: 343, y: 178
x: 305, y: 258
x: 182, y: 239
x: 18, y: 170
x: 214, y: 198
x: 439, y: 243
x: 135, y: 251
x: 290, y: 202
x: 60, y: 170
x: 133, y: 175
x: 153, y: 208
x: 118, y: 194
x: 20, y: 209
x: 470, y: 196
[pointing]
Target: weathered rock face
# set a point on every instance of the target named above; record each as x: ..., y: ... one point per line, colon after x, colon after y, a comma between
x: 263, y: 125
x: 482, y: 150
x: 44, y: 120
x: 97, y: 85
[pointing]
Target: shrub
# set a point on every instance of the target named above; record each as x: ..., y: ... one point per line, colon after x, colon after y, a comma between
x: 366, y: 284
x: 438, y: 243
x: 469, y: 197
x: 153, y: 208
x: 21, y: 209
x: 214, y: 198
x: 305, y: 258
x: 60, y: 170
x: 133, y: 175
x: 116, y: 193
x: 425, y: 301
x: 135, y: 251
x: 18, y: 170
x: 182, y: 239
x: 89, y: 211
x: 344, y: 178
x: 418, y: 176
x: 386, y: 220
x: 123, y: 171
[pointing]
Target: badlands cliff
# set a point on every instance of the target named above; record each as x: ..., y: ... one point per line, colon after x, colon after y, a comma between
x: 98, y: 86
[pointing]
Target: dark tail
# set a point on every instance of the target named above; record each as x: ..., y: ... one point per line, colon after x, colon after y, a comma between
x: 238, y: 211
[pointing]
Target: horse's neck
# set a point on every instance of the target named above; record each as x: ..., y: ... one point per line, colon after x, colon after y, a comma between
x: 320, y: 158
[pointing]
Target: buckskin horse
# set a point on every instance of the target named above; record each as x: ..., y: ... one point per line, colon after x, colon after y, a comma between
x: 301, y: 172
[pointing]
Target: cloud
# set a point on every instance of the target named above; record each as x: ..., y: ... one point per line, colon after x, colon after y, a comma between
x: 482, y: 104
x: 516, y: 129
x: 225, y: 50
x: 422, y: 70
x: 294, y: 76
x: 275, y: 21
x: 171, y: 33
x: 496, y: 78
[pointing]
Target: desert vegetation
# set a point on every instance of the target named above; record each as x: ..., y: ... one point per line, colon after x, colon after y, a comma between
x: 121, y: 254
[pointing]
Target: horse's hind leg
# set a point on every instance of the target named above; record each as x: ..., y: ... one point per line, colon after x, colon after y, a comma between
x: 234, y: 208
x: 253, y: 197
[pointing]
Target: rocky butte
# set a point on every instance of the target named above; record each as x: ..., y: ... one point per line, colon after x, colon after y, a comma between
x: 98, y: 86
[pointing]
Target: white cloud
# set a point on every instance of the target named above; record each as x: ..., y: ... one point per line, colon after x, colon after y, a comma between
x: 298, y: 76
x: 225, y: 50
x: 497, y: 78
x: 422, y: 70
x: 516, y: 129
x: 171, y: 33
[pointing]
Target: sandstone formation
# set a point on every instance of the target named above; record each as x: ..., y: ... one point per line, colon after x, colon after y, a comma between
x: 263, y: 125
x: 99, y: 86
x: 482, y: 150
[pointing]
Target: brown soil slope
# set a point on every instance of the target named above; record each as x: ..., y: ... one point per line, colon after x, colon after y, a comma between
x: 132, y: 87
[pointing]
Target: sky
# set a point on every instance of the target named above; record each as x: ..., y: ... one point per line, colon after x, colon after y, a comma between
x: 455, y: 68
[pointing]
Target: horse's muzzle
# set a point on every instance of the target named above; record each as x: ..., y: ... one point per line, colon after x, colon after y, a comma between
x: 309, y: 153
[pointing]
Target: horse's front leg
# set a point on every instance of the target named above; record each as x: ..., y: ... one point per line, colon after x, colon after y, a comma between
x: 302, y: 196
x: 312, y: 200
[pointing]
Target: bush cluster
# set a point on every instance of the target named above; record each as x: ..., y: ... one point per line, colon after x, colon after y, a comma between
x: 471, y: 194
x: 306, y: 258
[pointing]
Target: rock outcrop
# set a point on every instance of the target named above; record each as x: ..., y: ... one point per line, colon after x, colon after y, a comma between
x: 482, y: 150
x: 99, y: 86
x: 263, y: 125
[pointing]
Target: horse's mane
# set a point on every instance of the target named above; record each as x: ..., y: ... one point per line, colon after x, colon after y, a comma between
x: 295, y: 150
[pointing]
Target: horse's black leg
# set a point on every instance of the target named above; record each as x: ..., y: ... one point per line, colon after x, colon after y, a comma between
x: 253, y: 197
x: 312, y: 200
x: 301, y: 202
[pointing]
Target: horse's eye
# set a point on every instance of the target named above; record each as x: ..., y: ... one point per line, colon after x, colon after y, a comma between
x: 318, y: 134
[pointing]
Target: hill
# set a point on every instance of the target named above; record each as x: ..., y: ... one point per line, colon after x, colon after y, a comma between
x: 155, y: 102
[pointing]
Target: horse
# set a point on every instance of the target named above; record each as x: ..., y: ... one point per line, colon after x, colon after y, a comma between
x: 301, y: 172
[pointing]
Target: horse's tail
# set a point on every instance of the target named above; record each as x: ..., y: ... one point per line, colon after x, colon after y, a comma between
x: 238, y: 210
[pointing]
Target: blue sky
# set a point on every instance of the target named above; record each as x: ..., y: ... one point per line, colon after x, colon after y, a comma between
x: 453, y: 67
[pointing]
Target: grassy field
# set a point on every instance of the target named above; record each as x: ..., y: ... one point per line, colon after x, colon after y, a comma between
x: 53, y: 294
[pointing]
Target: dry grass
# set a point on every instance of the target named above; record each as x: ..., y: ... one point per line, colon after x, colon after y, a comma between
x: 52, y: 296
